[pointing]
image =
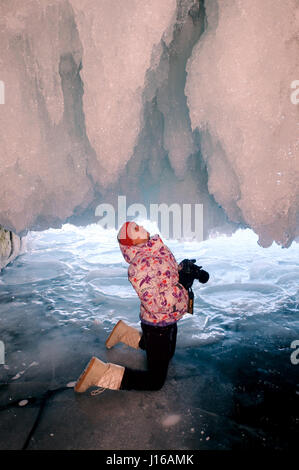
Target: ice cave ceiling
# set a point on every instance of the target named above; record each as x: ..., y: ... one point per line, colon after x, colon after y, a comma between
x: 162, y: 101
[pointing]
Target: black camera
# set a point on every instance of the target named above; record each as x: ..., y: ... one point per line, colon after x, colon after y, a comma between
x: 188, y: 272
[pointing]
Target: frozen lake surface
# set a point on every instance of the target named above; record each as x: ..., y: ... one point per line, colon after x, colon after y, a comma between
x: 231, y: 380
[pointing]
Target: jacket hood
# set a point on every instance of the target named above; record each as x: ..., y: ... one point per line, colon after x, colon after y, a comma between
x: 129, y: 252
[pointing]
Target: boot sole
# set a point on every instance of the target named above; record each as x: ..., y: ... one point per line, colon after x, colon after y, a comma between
x: 112, y: 333
x: 83, y: 375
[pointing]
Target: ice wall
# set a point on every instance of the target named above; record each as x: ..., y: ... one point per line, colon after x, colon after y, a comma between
x: 97, y: 105
x: 167, y: 165
x: 239, y: 97
x: 118, y: 38
x: 45, y: 161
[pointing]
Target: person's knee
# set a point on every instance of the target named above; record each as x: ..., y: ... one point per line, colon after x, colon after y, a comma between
x: 141, y: 343
x: 157, y: 383
x: 156, y: 386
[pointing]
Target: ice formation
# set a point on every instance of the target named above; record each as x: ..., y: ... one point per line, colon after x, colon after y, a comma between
x: 239, y: 96
x: 44, y: 169
x: 174, y: 101
x: 118, y: 39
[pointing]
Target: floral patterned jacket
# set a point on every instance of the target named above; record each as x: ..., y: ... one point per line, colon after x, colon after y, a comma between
x: 153, y: 272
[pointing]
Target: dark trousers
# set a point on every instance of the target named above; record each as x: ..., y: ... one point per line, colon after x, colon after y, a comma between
x: 159, y: 344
